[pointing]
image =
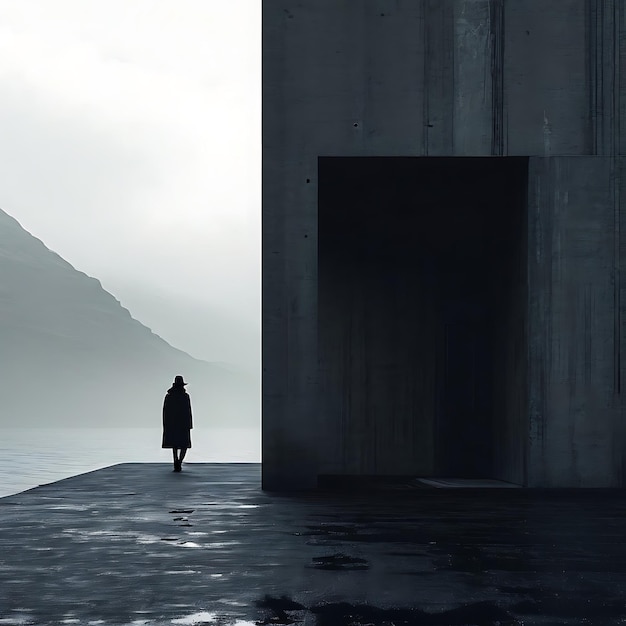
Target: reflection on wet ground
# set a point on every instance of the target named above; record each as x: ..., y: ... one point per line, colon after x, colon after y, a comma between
x: 285, y: 611
x: 138, y: 544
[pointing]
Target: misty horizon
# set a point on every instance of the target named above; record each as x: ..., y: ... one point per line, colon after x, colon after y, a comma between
x: 74, y: 356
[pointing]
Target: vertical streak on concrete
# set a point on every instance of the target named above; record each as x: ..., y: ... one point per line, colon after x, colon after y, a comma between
x: 605, y: 51
x: 539, y: 317
x: 618, y: 437
x: 473, y: 82
x: 496, y: 23
x: 619, y: 52
x: 609, y: 43
x: 617, y: 69
x: 603, y: 29
x: 620, y: 200
x: 425, y: 86
x: 615, y: 192
x: 620, y: 83
x: 594, y: 66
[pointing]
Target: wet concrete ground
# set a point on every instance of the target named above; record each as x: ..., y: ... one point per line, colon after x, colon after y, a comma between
x: 139, y: 544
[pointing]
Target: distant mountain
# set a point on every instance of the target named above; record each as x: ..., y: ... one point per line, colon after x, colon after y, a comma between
x: 71, y: 355
x: 208, y: 332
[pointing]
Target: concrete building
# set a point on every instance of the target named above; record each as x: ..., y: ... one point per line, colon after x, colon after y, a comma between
x: 443, y: 240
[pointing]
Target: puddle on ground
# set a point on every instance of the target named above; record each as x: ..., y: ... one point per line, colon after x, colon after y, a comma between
x: 329, y: 530
x: 16, y: 620
x: 339, y: 562
x: 203, y: 617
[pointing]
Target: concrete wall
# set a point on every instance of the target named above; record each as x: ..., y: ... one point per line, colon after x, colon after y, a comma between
x: 574, y: 261
x: 408, y: 77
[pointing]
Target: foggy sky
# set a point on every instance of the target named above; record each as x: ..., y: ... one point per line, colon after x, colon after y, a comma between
x: 130, y: 143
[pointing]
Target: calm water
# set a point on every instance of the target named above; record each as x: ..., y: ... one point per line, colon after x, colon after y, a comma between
x: 36, y: 456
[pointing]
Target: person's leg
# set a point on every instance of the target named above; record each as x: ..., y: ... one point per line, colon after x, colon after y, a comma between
x: 183, y: 451
x: 174, y: 450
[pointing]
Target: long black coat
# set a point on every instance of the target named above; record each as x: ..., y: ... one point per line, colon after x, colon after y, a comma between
x: 177, y: 419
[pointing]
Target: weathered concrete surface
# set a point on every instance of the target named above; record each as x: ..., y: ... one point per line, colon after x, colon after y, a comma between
x: 575, y: 344
x: 546, y: 81
x: 138, y: 544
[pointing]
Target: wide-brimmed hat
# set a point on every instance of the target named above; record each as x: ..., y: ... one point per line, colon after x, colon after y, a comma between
x: 178, y: 381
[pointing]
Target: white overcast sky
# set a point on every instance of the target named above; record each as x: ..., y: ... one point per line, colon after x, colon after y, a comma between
x: 130, y: 143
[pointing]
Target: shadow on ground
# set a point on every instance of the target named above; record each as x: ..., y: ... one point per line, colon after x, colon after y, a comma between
x: 286, y: 611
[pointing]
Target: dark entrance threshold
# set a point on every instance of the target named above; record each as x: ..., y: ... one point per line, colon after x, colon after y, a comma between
x: 390, y: 483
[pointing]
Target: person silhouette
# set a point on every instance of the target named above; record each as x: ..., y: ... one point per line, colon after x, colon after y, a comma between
x: 177, y: 422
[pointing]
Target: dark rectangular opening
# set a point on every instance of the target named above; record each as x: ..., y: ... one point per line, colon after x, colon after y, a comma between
x: 422, y: 316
